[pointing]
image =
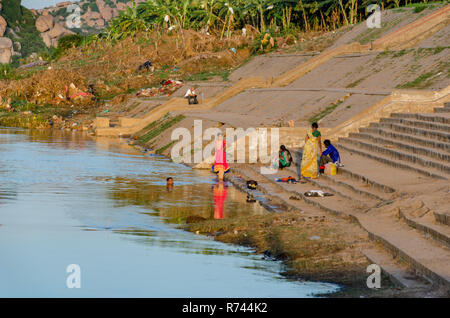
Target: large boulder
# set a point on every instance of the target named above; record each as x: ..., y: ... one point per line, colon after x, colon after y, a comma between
x: 57, y: 31
x: 51, y: 37
x: 105, y: 10
x: 3, y: 25
x: 46, y: 38
x: 44, y: 23
x: 91, y: 15
x: 6, y: 50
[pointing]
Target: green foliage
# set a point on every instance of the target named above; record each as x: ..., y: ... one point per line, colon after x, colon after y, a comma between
x: 12, y: 12
x: 225, y: 16
x: 421, y: 81
x: 325, y: 112
x: 204, y: 76
x: 161, y: 150
x: 7, y: 72
x: 71, y: 41
x: 420, y: 8
x: 156, y: 128
x: 221, y: 17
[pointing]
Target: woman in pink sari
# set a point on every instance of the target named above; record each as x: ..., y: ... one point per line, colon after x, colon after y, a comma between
x: 220, y: 164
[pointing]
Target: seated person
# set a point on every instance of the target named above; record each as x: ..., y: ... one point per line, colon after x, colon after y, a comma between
x: 330, y: 154
x: 191, y: 95
x: 285, y: 157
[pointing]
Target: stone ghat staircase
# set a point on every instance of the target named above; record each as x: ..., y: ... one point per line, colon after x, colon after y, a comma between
x: 416, y: 142
x: 386, y: 166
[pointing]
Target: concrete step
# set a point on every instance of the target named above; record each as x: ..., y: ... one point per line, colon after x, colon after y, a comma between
x: 338, y: 189
x: 274, y: 190
x: 435, y: 118
x: 427, y: 224
x: 401, y: 275
x: 393, y: 135
x: 376, y: 171
x: 442, y: 218
x: 397, y: 158
x: 355, y: 179
x: 337, y: 205
x: 432, y: 134
x: 444, y: 110
x: 417, y: 123
x: 426, y: 257
x: 402, y: 145
x: 351, y: 186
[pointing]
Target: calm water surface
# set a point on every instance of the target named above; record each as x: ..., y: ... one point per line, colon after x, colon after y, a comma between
x: 67, y: 199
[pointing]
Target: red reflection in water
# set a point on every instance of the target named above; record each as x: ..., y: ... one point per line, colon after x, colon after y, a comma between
x: 220, y: 196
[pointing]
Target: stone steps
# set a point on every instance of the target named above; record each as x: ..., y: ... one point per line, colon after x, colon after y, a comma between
x: 393, y: 135
x: 399, y: 274
x: 435, y: 118
x: 348, y: 186
x: 273, y: 189
x: 445, y: 109
x: 402, y: 145
x: 354, y: 179
x: 428, y: 258
x: 432, y: 134
x: 417, y: 123
x: 337, y: 189
x: 425, y: 224
x: 442, y: 218
x: 396, y: 158
x: 326, y: 204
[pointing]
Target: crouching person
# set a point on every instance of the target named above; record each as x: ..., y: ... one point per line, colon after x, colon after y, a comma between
x: 285, y: 157
x: 331, y: 154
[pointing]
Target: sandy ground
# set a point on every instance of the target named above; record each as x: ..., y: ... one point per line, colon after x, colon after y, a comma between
x: 391, y: 21
x: 269, y: 65
x: 440, y: 38
x: 379, y: 71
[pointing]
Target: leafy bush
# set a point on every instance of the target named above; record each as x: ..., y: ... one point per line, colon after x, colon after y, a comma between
x: 71, y: 41
x: 12, y: 12
x: 7, y: 71
x: 420, y: 8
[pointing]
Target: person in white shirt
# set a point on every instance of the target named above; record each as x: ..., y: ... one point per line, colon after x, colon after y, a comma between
x: 191, y: 95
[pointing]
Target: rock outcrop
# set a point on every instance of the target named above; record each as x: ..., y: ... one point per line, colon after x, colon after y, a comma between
x: 52, y: 36
x: 50, y: 22
x: 6, y: 50
x: 105, y: 10
x: 44, y: 23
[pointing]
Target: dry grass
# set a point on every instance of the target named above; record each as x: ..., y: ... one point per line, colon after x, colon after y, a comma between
x: 113, y: 68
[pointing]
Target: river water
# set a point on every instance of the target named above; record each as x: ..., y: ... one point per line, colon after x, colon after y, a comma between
x: 66, y: 198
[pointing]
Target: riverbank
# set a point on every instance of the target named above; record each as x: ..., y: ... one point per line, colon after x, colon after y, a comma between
x: 314, y: 245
